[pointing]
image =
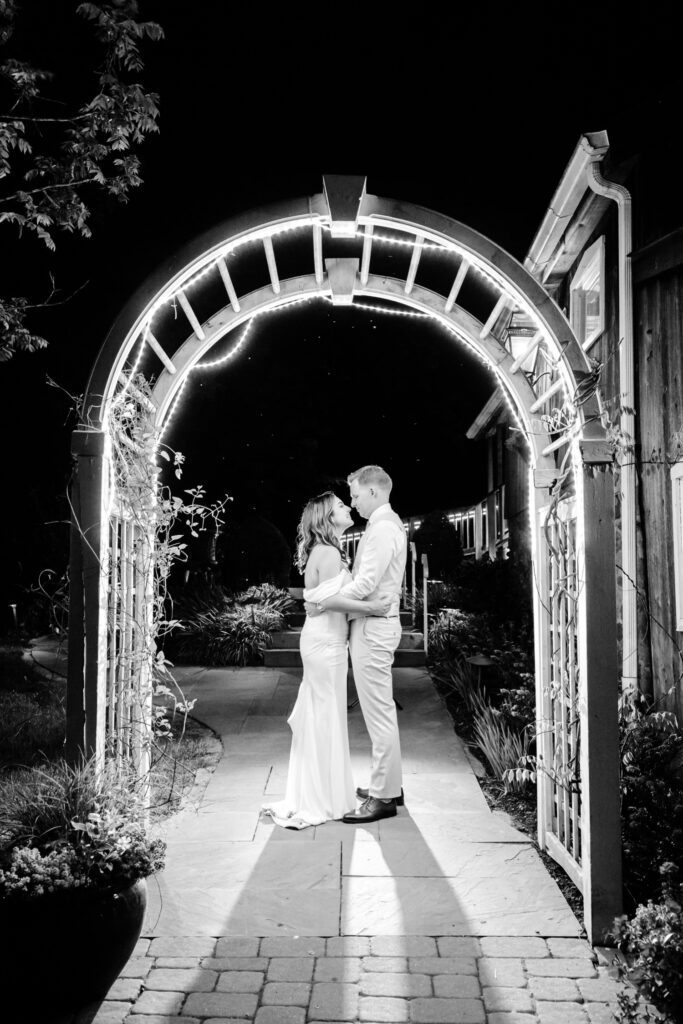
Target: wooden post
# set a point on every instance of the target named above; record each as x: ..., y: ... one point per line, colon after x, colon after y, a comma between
x: 491, y: 524
x: 87, y: 680
x: 478, y: 532
x: 598, y: 695
x: 544, y: 743
x: 413, y: 572
x: 75, y: 698
x: 425, y: 615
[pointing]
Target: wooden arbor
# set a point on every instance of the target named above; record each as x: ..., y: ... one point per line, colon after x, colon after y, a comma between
x: 346, y: 247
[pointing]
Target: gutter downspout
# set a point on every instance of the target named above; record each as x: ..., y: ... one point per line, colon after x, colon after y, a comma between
x: 627, y: 402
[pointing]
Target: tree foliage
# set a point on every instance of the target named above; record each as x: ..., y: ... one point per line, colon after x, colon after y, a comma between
x: 52, y: 166
x: 439, y: 540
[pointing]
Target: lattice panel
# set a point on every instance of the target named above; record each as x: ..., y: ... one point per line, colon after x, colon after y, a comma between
x: 561, y: 685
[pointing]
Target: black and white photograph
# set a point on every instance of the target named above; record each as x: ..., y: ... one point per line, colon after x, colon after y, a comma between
x: 341, y: 566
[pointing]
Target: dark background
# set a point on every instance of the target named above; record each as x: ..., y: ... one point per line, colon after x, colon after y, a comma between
x: 472, y: 111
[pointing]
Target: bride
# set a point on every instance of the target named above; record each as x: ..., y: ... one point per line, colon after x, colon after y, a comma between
x: 319, y: 782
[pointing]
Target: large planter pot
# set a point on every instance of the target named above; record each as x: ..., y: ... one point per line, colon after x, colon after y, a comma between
x: 62, y: 951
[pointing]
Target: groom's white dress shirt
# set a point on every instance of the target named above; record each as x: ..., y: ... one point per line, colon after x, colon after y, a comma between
x: 380, y: 560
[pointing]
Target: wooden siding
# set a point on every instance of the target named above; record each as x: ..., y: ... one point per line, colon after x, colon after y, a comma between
x: 659, y: 352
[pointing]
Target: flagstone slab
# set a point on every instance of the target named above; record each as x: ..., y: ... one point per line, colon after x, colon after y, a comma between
x: 232, y: 772
x: 439, y: 859
x: 272, y: 726
x: 457, y: 827
x: 261, y: 865
x: 435, y: 793
x: 267, y: 830
x: 347, y: 833
x: 456, y: 906
x: 212, y: 825
x: 279, y: 705
x: 243, y: 911
x: 225, y: 724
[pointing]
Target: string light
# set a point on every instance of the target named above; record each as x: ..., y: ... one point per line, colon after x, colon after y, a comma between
x: 194, y: 275
x: 134, y: 369
x: 230, y: 355
x: 389, y: 312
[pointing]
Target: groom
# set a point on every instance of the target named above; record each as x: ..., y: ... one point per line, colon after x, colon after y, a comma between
x: 378, y: 570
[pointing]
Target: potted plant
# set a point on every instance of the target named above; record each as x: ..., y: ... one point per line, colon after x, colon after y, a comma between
x: 74, y: 855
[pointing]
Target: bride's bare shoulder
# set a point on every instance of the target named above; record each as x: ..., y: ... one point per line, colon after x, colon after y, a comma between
x: 325, y: 556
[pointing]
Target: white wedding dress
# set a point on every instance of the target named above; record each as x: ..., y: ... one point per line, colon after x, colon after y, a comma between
x: 319, y: 782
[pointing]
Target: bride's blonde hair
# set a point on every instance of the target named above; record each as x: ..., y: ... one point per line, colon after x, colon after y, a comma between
x: 315, y: 527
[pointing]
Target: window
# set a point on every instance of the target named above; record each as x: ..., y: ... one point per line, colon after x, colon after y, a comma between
x: 587, y: 301
x: 677, y: 523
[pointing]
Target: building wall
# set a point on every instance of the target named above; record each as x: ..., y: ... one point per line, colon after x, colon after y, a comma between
x: 659, y: 368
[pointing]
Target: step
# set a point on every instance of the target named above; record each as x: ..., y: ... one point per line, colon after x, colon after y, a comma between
x: 410, y: 640
x: 290, y: 657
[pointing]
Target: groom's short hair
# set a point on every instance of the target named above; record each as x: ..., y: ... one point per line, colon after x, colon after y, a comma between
x: 368, y: 475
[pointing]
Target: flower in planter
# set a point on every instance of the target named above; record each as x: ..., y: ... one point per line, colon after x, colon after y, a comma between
x: 68, y: 827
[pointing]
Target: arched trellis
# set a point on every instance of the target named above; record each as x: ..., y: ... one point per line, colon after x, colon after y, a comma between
x: 333, y: 247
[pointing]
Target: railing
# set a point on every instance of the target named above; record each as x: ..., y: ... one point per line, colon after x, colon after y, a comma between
x: 471, y: 524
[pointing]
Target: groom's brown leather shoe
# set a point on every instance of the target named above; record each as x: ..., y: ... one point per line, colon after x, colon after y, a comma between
x: 363, y: 794
x: 371, y: 809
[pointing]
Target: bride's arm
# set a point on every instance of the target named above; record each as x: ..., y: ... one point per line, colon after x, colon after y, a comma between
x: 338, y: 603
x: 329, y: 566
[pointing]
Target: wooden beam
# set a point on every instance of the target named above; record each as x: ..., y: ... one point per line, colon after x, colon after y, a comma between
x: 542, y: 399
x: 318, y: 252
x: 503, y: 301
x: 191, y: 315
x: 344, y: 194
x: 528, y: 350
x: 158, y: 351
x: 75, y: 696
x: 272, y: 265
x: 93, y: 529
x: 365, y: 259
x: 598, y: 704
x: 227, y: 281
x: 457, y: 284
x: 414, y: 263
x: 342, y: 275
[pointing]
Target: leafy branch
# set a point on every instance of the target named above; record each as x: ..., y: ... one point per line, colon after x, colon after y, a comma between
x: 49, y: 165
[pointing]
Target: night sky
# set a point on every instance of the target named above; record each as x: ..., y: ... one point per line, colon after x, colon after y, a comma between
x: 472, y: 112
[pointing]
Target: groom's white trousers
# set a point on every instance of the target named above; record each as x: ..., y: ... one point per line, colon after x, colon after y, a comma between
x: 372, y: 644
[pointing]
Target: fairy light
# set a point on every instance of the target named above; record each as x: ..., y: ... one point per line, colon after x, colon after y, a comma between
x: 196, y: 274
x: 134, y: 369
x: 233, y: 351
x: 229, y: 356
x: 500, y: 380
x: 389, y: 312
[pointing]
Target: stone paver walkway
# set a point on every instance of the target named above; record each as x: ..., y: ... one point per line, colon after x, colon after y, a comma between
x: 442, y: 914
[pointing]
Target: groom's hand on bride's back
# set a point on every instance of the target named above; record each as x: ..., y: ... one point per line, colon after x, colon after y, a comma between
x: 312, y: 609
x: 381, y: 605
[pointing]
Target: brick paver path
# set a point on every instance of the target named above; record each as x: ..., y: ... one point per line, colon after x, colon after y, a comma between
x: 421, y: 979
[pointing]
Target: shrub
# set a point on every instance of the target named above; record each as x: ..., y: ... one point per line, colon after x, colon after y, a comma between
x: 651, y: 797
x: 269, y: 596
x: 501, y: 589
x: 461, y: 633
x: 227, y: 637
x: 503, y: 747
x: 217, y: 629
x: 197, y: 597
x: 30, y: 729
x: 440, y: 541
x: 653, y: 939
